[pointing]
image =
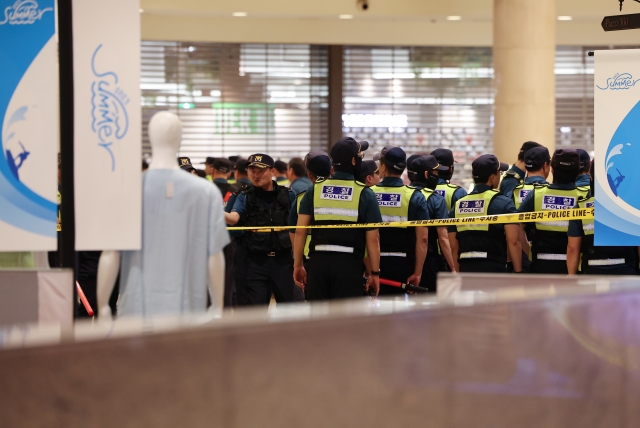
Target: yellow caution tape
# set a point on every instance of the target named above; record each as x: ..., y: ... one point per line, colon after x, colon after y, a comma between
x: 572, y: 214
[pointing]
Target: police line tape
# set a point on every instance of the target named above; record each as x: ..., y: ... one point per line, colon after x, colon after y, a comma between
x: 556, y: 215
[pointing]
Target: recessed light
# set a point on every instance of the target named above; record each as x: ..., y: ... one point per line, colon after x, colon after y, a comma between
x: 239, y: 14
x: 454, y: 18
x: 345, y: 16
x: 141, y: 10
x: 565, y: 18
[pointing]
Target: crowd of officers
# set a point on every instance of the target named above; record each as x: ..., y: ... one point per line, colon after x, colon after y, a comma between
x: 340, y: 189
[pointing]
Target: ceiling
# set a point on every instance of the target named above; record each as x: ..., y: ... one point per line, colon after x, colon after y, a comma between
x: 386, y: 22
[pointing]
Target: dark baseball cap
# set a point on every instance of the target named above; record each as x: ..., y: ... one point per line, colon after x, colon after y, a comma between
x: 486, y: 165
x: 584, y: 158
x: 526, y: 147
x: 318, y: 163
x: 223, y: 165
x: 368, y: 167
x: 410, y: 171
x: 427, y: 163
x: 395, y: 157
x: 185, y: 163
x: 566, y: 160
x: 536, y: 157
x: 444, y: 156
x: 209, y: 161
x: 346, y: 149
x: 241, y: 165
x: 281, y: 166
x: 233, y: 159
x: 260, y: 160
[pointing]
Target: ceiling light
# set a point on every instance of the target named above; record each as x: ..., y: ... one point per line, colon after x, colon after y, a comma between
x: 454, y: 18
x: 239, y: 14
x: 565, y: 18
x: 345, y: 16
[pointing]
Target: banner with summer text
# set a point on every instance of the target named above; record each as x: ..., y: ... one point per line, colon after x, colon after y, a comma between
x: 617, y: 147
x: 29, y: 125
x: 107, y: 141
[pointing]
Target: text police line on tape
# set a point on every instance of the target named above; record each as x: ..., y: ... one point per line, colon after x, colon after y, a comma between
x: 569, y: 214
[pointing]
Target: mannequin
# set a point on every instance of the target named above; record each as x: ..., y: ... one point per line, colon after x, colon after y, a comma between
x: 165, y: 133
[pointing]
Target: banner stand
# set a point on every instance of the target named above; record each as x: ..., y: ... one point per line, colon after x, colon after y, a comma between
x: 66, y: 243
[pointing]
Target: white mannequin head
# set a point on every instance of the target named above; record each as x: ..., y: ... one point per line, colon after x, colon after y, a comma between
x: 165, y: 135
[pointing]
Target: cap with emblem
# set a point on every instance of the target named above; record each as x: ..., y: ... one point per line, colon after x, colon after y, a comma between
x: 443, y: 156
x: 487, y: 165
x: 185, y: 163
x: 318, y: 163
x: 260, y: 160
x: 536, y: 157
x: 222, y: 165
x: 395, y: 158
x: 346, y: 149
x: 566, y: 160
x: 368, y: 167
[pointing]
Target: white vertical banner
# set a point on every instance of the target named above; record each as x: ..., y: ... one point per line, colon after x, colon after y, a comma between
x: 617, y: 147
x: 106, y: 64
x: 29, y: 130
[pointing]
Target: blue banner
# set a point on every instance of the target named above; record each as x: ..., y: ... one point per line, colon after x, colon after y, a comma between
x: 26, y: 27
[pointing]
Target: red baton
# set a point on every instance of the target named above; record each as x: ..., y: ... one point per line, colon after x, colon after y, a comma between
x: 406, y: 287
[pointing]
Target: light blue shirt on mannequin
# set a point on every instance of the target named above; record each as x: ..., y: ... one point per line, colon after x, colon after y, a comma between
x: 182, y: 226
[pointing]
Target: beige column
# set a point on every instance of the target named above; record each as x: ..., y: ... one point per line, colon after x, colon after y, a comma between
x: 524, y: 44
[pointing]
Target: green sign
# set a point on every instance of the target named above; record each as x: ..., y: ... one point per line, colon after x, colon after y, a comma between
x: 243, y: 118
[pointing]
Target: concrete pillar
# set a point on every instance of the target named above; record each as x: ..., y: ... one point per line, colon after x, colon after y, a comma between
x: 524, y: 44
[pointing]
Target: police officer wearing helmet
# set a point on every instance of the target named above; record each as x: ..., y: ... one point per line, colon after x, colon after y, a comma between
x: 402, y: 249
x: 451, y: 192
x: 550, y: 241
x: 484, y: 247
x: 601, y: 260
x: 269, y: 264
x: 515, y: 175
x: 335, y: 265
x: 423, y: 172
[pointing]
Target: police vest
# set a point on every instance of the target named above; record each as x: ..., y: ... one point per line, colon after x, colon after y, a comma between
x: 299, y: 197
x: 583, y: 191
x: 520, y: 192
x: 283, y: 183
x: 479, y: 241
x: 337, y: 201
x: 447, y: 190
x: 602, y: 257
x: 433, y: 246
x: 394, y: 206
x: 262, y: 213
x: 550, y: 240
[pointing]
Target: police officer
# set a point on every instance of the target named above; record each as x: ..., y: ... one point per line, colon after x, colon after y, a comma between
x: 281, y: 173
x: 451, y: 192
x: 208, y: 167
x: 185, y: 164
x: 515, y: 175
x: 484, y: 247
x: 423, y: 172
x: 583, y: 180
x: 550, y: 239
x: 537, y: 163
x: 602, y: 260
x: 402, y: 249
x: 335, y: 265
x: 219, y: 173
x: 269, y: 264
x: 239, y: 251
x: 370, y: 174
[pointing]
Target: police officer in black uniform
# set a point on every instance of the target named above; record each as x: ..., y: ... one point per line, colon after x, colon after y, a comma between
x: 449, y: 191
x: 269, y: 263
x: 515, y: 175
